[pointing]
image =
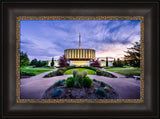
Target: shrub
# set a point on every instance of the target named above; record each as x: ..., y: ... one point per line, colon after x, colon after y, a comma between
x: 58, y: 92
x: 78, y: 80
x: 63, y: 80
x: 63, y: 68
x: 84, y: 74
x: 87, y: 82
x: 100, y: 92
x: 27, y: 74
x: 50, y: 74
x: 104, y: 73
x: 98, y: 72
x: 108, y: 74
x: 59, y: 72
x: 69, y: 82
x: 102, y: 84
x: 31, y: 74
x: 58, y: 83
x: 106, y: 88
x: 94, y: 80
x: 75, y: 71
x: 107, y: 67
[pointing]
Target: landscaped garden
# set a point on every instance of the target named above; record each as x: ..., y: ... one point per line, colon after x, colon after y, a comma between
x: 80, y: 86
x: 32, y: 71
x: 129, y: 71
x: 62, y: 70
x: 89, y: 71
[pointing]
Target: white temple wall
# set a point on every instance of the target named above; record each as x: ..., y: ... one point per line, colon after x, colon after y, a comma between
x: 79, y: 63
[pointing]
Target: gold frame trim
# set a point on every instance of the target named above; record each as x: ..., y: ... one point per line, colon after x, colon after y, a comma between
x: 18, y: 100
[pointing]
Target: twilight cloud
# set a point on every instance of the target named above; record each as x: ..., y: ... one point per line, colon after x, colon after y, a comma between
x: 43, y: 39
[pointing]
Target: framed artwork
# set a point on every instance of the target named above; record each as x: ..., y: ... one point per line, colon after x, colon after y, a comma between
x: 93, y: 59
x: 81, y: 58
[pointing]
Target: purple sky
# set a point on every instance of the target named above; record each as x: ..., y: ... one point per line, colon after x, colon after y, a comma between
x: 44, y: 39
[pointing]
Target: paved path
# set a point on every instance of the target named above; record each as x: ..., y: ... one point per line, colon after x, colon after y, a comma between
x: 34, y: 87
x: 34, y: 78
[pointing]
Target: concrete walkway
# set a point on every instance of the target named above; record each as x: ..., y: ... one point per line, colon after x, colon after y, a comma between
x: 34, y: 87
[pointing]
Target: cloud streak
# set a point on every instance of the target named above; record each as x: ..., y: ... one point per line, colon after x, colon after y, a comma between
x: 43, y: 39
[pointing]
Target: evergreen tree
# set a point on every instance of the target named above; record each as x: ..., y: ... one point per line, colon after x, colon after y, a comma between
x: 133, y: 55
x: 39, y: 63
x: 119, y: 63
x: 52, y: 62
x: 24, y: 60
x: 33, y: 62
x: 114, y: 62
x: 106, y: 61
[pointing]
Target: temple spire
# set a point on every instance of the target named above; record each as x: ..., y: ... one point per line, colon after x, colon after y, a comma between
x: 79, y: 41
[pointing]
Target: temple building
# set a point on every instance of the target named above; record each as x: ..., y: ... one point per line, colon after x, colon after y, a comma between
x: 80, y: 56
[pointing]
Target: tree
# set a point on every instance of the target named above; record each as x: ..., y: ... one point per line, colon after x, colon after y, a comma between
x: 114, y: 62
x: 133, y: 55
x: 62, y: 61
x: 106, y: 61
x: 38, y: 64
x: 41, y: 63
x: 24, y: 60
x: 52, y: 62
x: 44, y: 63
x: 33, y: 62
x: 119, y: 63
x: 95, y: 64
x: 125, y: 62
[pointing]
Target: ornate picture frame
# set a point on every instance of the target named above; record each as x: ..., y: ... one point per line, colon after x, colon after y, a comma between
x: 146, y: 105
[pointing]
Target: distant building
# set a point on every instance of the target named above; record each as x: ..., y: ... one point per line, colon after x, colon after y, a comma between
x: 102, y: 61
x: 55, y: 63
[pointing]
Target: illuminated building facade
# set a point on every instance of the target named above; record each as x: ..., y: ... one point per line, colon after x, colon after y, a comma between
x: 79, y: 56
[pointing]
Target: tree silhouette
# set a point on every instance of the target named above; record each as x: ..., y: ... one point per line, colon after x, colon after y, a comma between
x: 52, y: 62
x: 133, y: 55
x: 106, y: 61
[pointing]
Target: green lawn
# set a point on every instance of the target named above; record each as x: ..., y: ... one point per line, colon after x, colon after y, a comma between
x: 125, y: 71
x: 39, y: 70
x: 89, y: 71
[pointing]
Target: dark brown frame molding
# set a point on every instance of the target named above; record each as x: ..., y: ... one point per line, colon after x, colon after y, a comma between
x: 149, y: 10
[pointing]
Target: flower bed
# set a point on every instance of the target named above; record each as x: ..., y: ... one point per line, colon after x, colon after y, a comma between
x: 95, y: 92
x: 80, y: 86
x: 61, y: 71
